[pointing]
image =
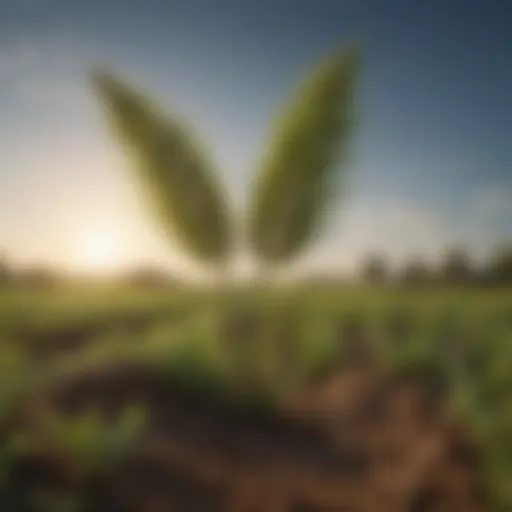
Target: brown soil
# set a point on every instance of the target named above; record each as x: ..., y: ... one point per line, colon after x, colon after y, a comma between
x: 356, y: 441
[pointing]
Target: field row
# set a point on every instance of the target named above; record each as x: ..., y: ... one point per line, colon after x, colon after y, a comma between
x: 262, y: 346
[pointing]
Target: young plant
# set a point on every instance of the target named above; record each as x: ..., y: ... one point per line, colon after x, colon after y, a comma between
x: 93, y: 444
x: 292, y: 191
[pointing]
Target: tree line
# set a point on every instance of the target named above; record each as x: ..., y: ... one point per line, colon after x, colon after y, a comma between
x: 456, y: 267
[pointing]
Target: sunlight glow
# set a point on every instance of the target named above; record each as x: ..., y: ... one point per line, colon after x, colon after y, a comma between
x: 100, y: 251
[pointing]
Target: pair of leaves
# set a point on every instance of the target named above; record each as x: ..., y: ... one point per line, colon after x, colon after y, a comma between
x: 292, y: 189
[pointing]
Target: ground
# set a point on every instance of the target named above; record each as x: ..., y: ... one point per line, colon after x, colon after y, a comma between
x: 312, y: 399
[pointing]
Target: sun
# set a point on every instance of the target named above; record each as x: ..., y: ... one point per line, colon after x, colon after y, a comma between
x: 99, y: 251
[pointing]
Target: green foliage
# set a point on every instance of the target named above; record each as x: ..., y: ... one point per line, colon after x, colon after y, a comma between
x: 173, y: 171
x: 5, y: 271
x: 48, y: 501
x: 293, y: 189
x: 296, y: 182
x: 416, y: 272
x: 456, y: 267
x: 8, y: 456
x: 375, y: 269
x: 501, y: 265
x: 16, y: 376
x: 92, y: 443
x: 456, y: 341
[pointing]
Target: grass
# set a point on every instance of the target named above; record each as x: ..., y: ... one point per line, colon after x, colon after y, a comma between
x: 263, y: 343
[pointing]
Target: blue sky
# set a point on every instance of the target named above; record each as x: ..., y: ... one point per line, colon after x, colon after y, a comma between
x: 432, y: 162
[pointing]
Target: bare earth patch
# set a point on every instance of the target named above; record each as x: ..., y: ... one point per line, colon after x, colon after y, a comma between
x: 356, y: 441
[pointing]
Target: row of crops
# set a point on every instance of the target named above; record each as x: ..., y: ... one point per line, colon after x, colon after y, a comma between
x: 264, y: 344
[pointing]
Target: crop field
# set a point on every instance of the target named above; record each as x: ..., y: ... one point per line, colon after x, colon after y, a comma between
x: 100, y: 387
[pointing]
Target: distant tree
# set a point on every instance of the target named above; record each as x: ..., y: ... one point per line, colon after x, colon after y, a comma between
x: 38, y: 277
x: 5, y: 270
x: 148, y: 277
x: 416, y: 272
x: 500, y: 267
x: 375, y: 269
x: 456, y: 267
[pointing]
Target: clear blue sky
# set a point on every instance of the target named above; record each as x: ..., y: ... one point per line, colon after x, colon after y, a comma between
x: 433, y: 154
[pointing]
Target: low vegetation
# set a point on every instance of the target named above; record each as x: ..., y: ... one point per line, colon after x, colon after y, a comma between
x: 261, y: 349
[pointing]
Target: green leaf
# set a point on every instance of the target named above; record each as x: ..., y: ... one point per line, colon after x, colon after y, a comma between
x: 298, y: 178
x: 179, y: 182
